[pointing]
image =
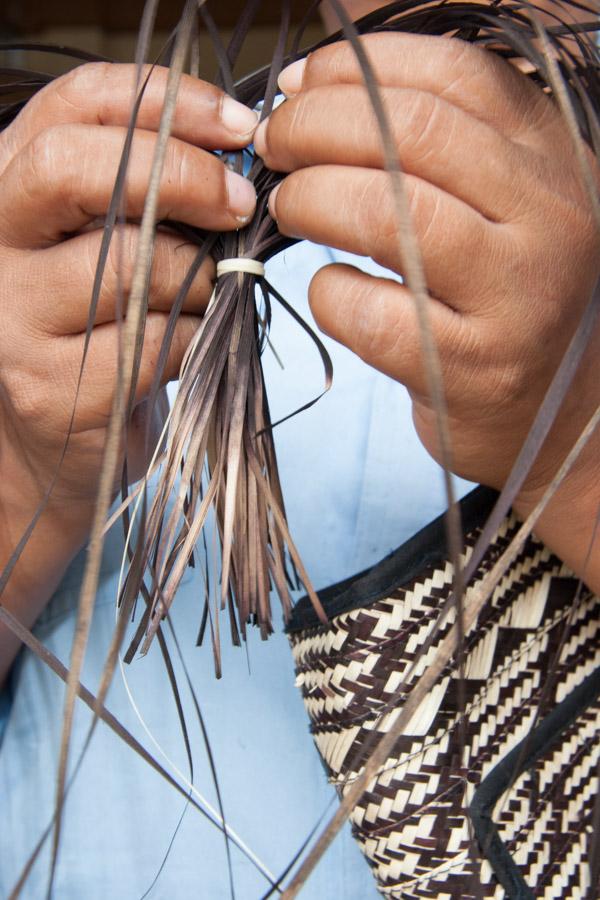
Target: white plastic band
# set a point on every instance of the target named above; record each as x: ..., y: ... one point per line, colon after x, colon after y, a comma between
x: 240, y: 264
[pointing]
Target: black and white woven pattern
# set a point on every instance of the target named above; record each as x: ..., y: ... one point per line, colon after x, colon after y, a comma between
x: 528, y: 770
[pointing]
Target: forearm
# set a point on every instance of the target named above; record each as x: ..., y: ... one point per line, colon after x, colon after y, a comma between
x: 57, y: 537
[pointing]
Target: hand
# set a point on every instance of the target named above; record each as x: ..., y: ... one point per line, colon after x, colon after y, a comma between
x: 509, y: 244
x: 58, y: 162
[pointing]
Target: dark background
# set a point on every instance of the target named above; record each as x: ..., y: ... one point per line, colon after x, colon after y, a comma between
x: 119, y: 15
x: 109, y: 28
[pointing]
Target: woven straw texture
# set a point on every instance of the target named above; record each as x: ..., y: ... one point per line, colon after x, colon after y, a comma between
x: 512, y: 815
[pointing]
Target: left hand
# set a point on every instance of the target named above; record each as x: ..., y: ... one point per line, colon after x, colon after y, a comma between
x: 507, y: 237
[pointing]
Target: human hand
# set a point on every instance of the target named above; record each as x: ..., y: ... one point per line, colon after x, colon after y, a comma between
x: 58, y: 163
x: 508, y: 240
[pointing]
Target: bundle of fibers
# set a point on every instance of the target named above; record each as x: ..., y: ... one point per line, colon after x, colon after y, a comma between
x: 220, y: 445
x: 220, y: 450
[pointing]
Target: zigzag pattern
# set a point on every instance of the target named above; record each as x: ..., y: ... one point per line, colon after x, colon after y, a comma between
x: 412, y: 824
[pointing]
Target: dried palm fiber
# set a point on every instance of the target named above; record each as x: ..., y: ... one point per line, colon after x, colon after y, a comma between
x: 220, y: 448
x: 527, y: 775
x: 250, y: 510
x: 506, y: 30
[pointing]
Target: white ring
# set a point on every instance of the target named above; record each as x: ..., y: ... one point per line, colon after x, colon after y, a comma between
x: 240, y: 264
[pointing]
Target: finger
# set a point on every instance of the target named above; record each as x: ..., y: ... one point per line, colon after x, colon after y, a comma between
x: 68, y: 269
x: 353, y: 210
x: 56, y: 186
x: 376, y: 319
x: 104, y: 94
x: 477, y: 81
x: 143, y: 433
x: 99, y: 375
x: 482, y: 369
x: 435, y: 140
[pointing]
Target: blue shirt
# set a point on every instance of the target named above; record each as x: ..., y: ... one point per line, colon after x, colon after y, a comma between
x: 357, y: 484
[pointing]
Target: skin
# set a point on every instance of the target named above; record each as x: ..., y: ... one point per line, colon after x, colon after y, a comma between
x: 53, y: 195
x: 508, y: 241
x: 510, y: 253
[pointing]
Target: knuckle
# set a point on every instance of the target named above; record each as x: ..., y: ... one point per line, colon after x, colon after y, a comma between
x: 163, y: 274
x: 45, y: 168
x: 423, y: 126
x: 323, y: 64
x: 466, y: 362
x: 177, y: 177
x: 426, y: 209
x: 74, y: 88
x: 292, y: 133
x: 457, y: 53
x: 176, y: 172
x: 374, y: 207
x: 428, y: 226
x: 464, y: 62
x: 153, y: 336
x: 495, y: 368
x: 120, y: 261
x: 27, y: 396
x: 509, y: 382
x: 378, y: 220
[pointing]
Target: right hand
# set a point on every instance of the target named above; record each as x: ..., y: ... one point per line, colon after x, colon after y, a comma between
x: 58, y: 163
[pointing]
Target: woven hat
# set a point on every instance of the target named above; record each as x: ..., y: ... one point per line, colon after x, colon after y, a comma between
x: 494, y: 803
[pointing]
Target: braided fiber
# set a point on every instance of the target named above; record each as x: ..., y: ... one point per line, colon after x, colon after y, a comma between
x: 526, y: 764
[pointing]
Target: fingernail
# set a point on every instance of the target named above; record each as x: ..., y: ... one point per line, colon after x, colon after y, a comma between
x: 260, y: 142
x: 290, y: 79
x: 237, y: 118
x: 241, y: 196
x: 272, y: 198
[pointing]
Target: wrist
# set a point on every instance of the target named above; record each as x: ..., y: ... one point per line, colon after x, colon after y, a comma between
x: 568, y: 525
x: 59, y: 533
